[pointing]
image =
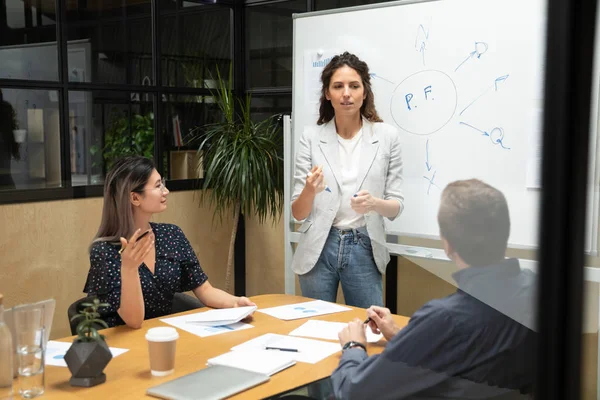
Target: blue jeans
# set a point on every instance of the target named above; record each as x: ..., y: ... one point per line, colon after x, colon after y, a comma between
x: 347, y: 257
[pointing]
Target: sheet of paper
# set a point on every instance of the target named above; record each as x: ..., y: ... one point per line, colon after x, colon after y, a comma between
x: 309, y: 350
x: 55, y: 353
x: 223, y: 316
x: 328, y: 330
x: 261, y: 361
x: 201, y: 330
x: 315, y: 61
x: 308, y: 309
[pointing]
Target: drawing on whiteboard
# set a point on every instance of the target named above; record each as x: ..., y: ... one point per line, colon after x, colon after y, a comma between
x: 431, y: 182
x: 427, y: 165
x: 374, y: 75
x: 496, y: 135
x: 424, y: 102
x: 480, y: 49
x: 495, y: 86
x: 421, y: 41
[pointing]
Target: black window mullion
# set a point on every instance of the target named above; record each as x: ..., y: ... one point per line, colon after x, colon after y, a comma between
x: 157, y: 81
x: 569, y: 52
x: 63, y: 102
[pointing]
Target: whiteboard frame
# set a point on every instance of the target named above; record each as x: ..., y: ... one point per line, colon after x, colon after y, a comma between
x: 594, y: 172
x: 591, y: 274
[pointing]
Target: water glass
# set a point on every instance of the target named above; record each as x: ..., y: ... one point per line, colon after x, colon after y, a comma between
x: 29, y: 327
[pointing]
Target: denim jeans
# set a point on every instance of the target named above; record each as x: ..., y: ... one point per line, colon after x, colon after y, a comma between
x: 347, y: 257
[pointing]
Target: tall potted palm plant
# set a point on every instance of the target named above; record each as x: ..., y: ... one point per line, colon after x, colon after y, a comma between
x: 242, y: 162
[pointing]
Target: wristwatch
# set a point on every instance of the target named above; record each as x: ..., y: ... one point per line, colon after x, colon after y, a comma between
x: 351, y: 344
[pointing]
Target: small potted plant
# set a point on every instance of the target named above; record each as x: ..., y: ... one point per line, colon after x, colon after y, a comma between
x: 88, y: 355
x: 19, y: 134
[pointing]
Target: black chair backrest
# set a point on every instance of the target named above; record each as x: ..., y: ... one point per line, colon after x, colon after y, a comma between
x: 183, y: 302
x: 74, y: 309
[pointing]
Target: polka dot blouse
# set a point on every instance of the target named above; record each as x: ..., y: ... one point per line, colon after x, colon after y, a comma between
x: 176, y: 270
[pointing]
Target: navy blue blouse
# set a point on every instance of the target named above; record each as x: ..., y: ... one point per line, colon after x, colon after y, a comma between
x: 176, y: 270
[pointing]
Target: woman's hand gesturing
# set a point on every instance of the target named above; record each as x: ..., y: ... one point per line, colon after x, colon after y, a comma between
x: 133, y: 252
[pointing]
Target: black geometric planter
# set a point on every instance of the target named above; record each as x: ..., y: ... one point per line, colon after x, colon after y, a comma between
x: 86, y: 361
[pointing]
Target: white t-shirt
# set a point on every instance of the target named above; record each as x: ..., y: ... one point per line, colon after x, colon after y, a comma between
x: 349, y: 156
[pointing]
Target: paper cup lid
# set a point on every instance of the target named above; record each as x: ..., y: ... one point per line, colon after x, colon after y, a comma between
x: 162, y: 334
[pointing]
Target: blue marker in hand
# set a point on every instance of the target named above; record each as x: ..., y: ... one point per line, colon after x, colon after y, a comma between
x: 326, y: 187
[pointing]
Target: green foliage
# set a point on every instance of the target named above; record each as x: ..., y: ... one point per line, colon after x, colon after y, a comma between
x: 119, y: 141
x: 14, y: 119
x: 86, y: 332
x: 243, y: 159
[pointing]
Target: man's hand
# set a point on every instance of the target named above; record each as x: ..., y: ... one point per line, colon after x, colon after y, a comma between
x: 382, y: 322
x: 355, y: 331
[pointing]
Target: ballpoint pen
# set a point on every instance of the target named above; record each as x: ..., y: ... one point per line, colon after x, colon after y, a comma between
x: 281, y: 349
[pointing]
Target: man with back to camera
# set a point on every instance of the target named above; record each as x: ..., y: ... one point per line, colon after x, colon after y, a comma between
x: 478, y: 343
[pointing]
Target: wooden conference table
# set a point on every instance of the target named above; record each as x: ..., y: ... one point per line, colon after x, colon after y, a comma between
x: 128, y: 375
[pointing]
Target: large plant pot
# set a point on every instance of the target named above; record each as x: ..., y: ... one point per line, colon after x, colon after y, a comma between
x: 86, y: 361
x: 20, y: 135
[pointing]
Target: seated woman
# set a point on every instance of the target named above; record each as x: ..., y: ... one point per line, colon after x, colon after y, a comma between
x: 139, y: 278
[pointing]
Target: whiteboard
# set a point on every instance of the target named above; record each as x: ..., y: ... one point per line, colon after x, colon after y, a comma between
x: 462, y: 80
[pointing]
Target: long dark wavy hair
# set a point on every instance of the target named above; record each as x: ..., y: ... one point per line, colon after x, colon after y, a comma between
x: 7, y: 126
x: 326, y: 111
x: 128, y: 174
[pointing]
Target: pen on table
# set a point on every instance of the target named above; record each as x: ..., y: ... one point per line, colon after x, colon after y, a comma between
x: 281, y: 349
x: 326, y: 187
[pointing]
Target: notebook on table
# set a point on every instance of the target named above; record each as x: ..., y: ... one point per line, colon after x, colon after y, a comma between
x: 212, y: 383
x: 261, y: 361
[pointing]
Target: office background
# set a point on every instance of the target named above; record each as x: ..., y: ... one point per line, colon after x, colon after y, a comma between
x: 77, y: 71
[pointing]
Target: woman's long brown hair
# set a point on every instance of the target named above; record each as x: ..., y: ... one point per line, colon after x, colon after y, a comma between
x: 326, y: 111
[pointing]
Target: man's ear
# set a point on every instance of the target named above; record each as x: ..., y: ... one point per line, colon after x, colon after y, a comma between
x: 448, y: 249
x: 135, y: 198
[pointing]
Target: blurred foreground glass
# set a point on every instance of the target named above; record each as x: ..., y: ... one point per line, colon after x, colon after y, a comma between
x: 6, y: 357
x: 29, y: 326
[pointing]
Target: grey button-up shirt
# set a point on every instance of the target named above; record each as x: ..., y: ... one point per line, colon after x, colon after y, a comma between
x: 477, y: 343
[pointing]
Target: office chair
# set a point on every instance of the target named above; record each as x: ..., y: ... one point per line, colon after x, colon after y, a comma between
x: 74, y: 309
x: 181, y: 302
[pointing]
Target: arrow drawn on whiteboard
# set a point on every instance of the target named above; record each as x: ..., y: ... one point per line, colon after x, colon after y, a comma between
x: 431, y: 182
x: 427, y: 156
x: 421, y: 41
x: 480, y: 49
x: 496, y: 135
x: 374, y: 75
x: 495, y: 86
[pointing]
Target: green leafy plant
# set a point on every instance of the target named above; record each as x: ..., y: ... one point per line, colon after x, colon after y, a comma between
x: 120, y: 141
x: 242, y: 161
x: 86, y: 328
x: 14, y: 119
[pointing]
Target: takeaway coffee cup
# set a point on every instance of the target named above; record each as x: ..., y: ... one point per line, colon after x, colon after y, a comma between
x: 161, y: 349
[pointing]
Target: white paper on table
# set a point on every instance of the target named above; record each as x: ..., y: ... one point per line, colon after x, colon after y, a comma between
x: 223, y: 316
x: 304, y: 310
x: 328, y: 330
x: 260, y: 361
x: 55, y: 353
x: 309, y: 350
x: 201, y: 330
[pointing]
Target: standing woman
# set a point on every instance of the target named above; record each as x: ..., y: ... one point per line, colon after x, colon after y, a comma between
x: 139, y: 278
x: 348, y: 177
x: 9, y: 148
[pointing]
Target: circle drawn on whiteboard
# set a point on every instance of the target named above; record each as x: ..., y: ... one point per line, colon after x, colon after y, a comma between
x: 424, y: 102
